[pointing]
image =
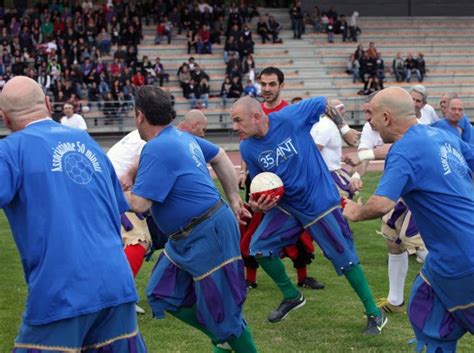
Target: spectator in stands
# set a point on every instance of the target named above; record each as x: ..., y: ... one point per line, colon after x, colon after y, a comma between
x: 116, y: 89
x: 116, y: 68
x: 218, y: 30
x: 342, y: 27
x: 359, y: 52
x: 44, y: 80
x: 296, y: 16
x: 330, y: 30
x: 192, y: 64
x: 138, y: 79
x: 110, y: 109
x: 105, y: 41
x: 316, y: 19
x: 410, y: 67
x: 235, y: 88
x: 249, y: 67
x: 231, y: 46
x: 367, y: 73
x: 324, y: 22
x: 204, y: 91
x: 164, y: 29
x: 247, y: 35
x: 160, y: 71
x: 372, y: 50
x: 184, y: 76
x: 424, y: 112
x: 131, y: 56
x: 250, y: 90
x: 379, y: 70
x: 120, y: 53
x: 398, y: 68
x: 263, y: 30
x: 199, y: 74
x: 225, y: 90
x: 421, y: 65
x: 71, y: 119
x: 191, y: 91
x: 353, y: 29
x: 274, y: 29
x: 353, y: 68
x: 245, y: 47
x: 204, y: 45
x: 191, y: 40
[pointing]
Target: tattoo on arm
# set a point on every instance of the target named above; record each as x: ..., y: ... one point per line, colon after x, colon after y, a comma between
x: 334, y: 114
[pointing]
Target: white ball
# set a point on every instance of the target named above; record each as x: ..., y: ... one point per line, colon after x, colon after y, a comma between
x: 267, y: 183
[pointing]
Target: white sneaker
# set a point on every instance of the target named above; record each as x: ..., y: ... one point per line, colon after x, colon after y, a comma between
x: 139, y: 310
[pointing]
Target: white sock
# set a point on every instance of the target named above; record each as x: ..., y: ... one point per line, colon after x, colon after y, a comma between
x: 397, y: 273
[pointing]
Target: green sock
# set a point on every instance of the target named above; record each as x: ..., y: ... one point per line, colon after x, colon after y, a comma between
x: 356, y: 277
x: 188, y: 315
x: 244, y: 343
x: 274, y: 267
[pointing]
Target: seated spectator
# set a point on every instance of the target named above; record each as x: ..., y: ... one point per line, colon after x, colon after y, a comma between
x: 398, y: 68
x: 231, y: 46
x: 191, y: 91
x: 191, y: 63
x: 94, y: 96
x: 110, y: 109
x: 249, y: 67
x: 263, y: 30
x: 247, y: 34
x: 225, y: 89
x: 164, y: 28
x: 204, y: 45
x: 236, y: 88
x: 342, y: 28
x: 129, y: 92
x: 367, y: 73
x: 379, y: 70
x: 44, y: 80
x: 120, y: 53
x: 116, y: 68
x: 324, y: 22
x: 160, y: 72
x: 353, y: 68
x: 233, y: 61
x: 274, y: 29
x: 191, y: 38
x: 138, y: 79
x: 234, y: 32
x: 410, y: 67
x: 250, y: 90
x: 204, y: 91
x: 421, y: 66
x: 184, y: 76
x: 245, y: 48
x: 316, y: 19
x: 104, y: 40
x: 199, y: 74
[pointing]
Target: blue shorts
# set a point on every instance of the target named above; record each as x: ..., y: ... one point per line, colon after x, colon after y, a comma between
x: 331, y: 232
x: 441, y: 311
x: 112, y: 329
x: 204, y: 269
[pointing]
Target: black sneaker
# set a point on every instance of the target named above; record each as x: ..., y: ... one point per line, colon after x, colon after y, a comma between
x: 251, y: 285
x: 285, y: 307
x: 311, y: 283
x: 375, y: 324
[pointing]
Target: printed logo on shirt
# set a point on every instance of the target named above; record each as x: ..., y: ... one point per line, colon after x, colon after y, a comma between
x: 452, y: 160
x: 76, y: 160
x: 270, y: 159
x: 195, y: 152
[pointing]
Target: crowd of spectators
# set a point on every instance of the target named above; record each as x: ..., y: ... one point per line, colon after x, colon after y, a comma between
x: 332, y: 23
x: 368, y: 67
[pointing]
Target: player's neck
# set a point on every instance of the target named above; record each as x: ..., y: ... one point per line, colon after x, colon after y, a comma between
x: 274, y: 104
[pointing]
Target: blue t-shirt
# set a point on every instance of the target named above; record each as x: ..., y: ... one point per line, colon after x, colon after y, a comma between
x: 63, y: 202
x: 431, y: 169
x: 288, y: 150
x: 467, y: 133
x: 173, y: 174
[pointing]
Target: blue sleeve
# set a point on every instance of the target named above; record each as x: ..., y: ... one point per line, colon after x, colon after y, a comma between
x: 468, y: 153
x: 306, y: 112
x: 398, y: 177
x: 10, y: 175
x: 155, y: 177
x: 209, y: 150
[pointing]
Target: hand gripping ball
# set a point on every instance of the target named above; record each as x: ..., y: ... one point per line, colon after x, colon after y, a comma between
x: 266, y: 184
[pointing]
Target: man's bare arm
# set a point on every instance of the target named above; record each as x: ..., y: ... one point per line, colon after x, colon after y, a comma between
x: 376, y: 207
x: 137, y: 203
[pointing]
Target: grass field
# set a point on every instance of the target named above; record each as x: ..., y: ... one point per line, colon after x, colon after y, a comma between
x: 331, y: 321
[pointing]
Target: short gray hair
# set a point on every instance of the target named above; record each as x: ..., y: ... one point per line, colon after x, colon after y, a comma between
x: 421, y: 90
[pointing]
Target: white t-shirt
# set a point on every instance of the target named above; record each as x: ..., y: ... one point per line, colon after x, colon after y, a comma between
x: 326, y: 133
x: 76, y: 121
x: 369, y: 139
x: 123, y: 153
x: 428, y: 115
